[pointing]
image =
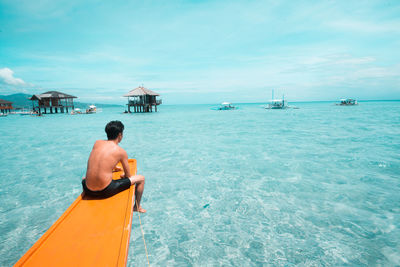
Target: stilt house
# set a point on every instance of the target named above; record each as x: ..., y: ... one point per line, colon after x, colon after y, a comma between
x: 142, y: 100
x: 54, y: 101
x: 5, y: 106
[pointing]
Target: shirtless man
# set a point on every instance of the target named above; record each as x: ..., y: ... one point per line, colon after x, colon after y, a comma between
x: 102, y: 162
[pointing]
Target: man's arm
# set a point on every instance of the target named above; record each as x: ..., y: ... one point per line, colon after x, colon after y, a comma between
x: 125, y: 164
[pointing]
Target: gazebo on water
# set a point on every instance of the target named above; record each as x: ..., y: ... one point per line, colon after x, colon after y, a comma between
x: 52, y: 99
x: 142, y: 100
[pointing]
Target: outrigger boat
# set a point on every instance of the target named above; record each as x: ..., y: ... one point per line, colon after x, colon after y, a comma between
x: 76, y: 111
x: 24, y: 112
x: 91, y: 109
x: 226, y: 106
x: 347, y: 102
x: 91, y: 232
x: 277, y: 103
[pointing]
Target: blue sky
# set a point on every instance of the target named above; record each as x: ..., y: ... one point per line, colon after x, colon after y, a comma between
x: 202, y: 51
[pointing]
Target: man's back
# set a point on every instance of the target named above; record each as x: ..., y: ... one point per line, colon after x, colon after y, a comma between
x: 104, y: 157
x: 102, y: 160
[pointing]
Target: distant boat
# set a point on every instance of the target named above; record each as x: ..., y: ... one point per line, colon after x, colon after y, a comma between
x: 24, y: 112
x: 277, y: 103
x: 91, y: 109
x: 347, y: 102
x: 226, y: 106
x: 36, y: 113
x: 76, y: 111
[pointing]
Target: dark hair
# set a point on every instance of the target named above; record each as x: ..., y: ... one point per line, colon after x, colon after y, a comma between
x: 113, y: 129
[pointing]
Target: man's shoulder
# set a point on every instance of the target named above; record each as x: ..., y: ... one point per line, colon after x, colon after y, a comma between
x: 99, y: 142
x: 110, y: 145
x: 121, y: 150
x: 102, y: 143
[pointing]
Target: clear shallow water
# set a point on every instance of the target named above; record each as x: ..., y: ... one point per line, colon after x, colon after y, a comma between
x: 312, y: 186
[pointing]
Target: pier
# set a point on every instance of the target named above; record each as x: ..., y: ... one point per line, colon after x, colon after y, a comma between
x: 142, y: 100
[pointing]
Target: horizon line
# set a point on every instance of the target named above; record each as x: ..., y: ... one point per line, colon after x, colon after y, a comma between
x: 295, y: 101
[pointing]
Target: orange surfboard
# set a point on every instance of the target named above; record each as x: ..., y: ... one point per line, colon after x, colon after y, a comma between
x: 91, y: 232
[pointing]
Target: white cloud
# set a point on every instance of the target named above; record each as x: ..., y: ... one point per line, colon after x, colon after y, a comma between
x: 366, y: 26
x: 7, y: 77
x: 376, y: 72
x: 337, y: 59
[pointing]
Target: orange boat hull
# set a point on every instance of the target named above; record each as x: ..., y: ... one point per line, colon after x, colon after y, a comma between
x: 91, y: 232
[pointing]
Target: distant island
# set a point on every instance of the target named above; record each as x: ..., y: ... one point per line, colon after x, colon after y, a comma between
x: 21, y: 100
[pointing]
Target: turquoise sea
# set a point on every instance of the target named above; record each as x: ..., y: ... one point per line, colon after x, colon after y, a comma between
x: 314, y: 186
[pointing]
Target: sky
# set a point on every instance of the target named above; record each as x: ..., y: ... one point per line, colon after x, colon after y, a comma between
x: 193, y: 52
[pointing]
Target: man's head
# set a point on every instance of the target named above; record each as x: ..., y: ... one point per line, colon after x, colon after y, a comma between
x: 114, y: 129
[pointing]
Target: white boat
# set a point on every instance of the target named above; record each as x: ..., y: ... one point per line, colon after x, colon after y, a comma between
x: 226, y: 106
x: 3, y: 114
x: 277, y: 103
x: 24, y: 112
x: 347, y: 102
x: 91, y: 109
x: 76, y: 111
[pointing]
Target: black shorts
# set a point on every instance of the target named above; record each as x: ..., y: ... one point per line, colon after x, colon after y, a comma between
x: 113, y: 188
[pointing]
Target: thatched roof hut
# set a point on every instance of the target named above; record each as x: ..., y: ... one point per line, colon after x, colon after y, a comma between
x: 5, y: 106
x: 53, y: 99
x: 52, y: 94
x: 2, y: 101
x: 140, y: 91
x: 143, y: 100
